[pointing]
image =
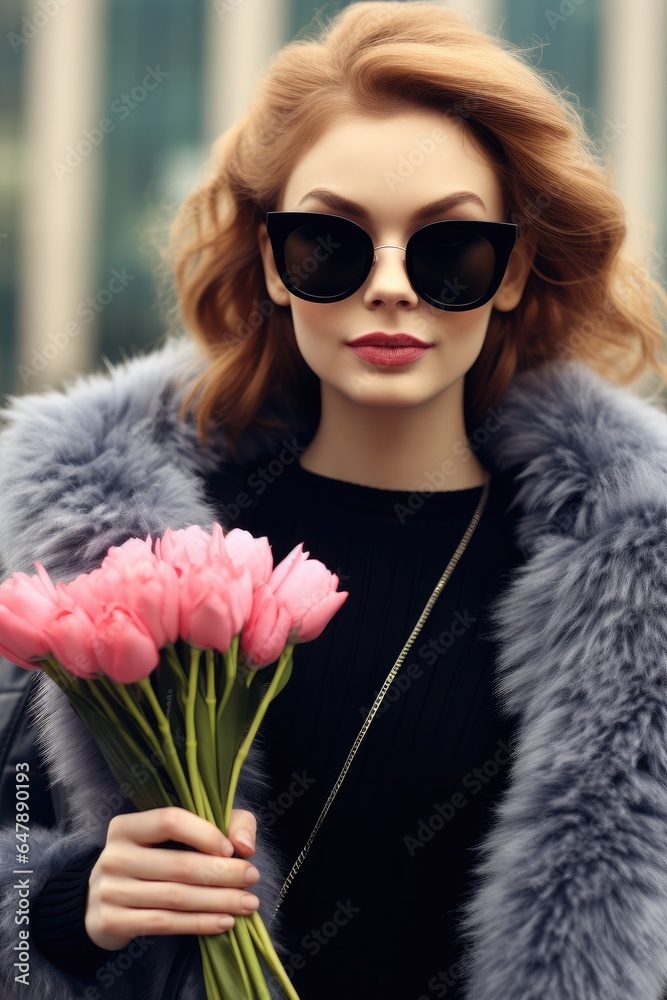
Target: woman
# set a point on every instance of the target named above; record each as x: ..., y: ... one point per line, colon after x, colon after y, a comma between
x: 489, y: 818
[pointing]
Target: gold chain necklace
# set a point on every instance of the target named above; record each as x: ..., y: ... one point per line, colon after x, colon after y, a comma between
x: 385, y: 687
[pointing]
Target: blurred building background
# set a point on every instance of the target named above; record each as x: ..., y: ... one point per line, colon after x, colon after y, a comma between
x: 108, y: 109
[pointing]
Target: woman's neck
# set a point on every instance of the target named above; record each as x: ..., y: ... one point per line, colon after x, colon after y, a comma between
x: 421, y: 448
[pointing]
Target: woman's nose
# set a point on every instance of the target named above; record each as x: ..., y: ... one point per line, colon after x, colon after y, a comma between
x: 388, y: 279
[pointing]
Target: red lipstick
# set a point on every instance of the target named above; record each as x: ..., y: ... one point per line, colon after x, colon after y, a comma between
x: 388, y: 348
x: 389, y: 340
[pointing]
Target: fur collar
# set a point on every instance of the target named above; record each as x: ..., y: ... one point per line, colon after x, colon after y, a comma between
x: 572, y: 897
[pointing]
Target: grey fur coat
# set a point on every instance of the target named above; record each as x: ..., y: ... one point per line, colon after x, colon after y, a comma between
x: 572, y: 902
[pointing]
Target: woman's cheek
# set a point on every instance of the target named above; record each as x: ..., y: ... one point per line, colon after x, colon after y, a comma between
x: 318, y: 333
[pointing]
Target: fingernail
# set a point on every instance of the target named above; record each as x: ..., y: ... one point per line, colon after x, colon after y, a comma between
x: 247, y: 839
x: 251, y: 874
x: 249, y: 904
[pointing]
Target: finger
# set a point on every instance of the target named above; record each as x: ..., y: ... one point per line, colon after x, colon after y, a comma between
x: 136, y: 923
x: 157, y: 826
x: 242, y: 831
x: 133, y: 894
x: 160, y: 864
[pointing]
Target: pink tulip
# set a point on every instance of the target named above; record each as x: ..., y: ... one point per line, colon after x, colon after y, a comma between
x: 215, y: 602
x: 217, y: 548
x: 71, y: 633
x: 307, y: 589
x: 93, y: 591
x: 264, y: 635
x: 188, y: 547
x: 57, y: 593
x: 151, y: 591
x: 20, y: 641
x: 27, y: 596
x: 296, y: 556
x: 124, y: 650
x: 24, y: 607
x: 132, y: 550
x: 255, y: 553
x: 317, y: 615
x: 154, y: 598
x: 146, y: 585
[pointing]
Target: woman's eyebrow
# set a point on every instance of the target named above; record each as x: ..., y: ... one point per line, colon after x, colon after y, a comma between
x: 341, y: 204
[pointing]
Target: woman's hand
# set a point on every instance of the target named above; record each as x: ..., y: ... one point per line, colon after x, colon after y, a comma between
x: 136, y: 888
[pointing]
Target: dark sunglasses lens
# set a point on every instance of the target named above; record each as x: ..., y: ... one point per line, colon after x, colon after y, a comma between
x: 327, y: 258
x: 452, y: 266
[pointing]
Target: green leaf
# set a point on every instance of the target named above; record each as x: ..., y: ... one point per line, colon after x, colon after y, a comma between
x: 287, y: 673
x: 231, y: 727
x: 129, y: 760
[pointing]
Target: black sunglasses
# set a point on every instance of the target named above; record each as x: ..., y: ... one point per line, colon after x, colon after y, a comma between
x: 451, y: 264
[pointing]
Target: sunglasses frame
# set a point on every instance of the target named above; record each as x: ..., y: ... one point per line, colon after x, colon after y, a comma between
x: 501, y: 236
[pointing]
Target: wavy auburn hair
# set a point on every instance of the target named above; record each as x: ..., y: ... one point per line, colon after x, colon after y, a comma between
x: 584, y: 298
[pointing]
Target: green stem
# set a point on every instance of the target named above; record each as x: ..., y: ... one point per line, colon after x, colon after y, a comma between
x: 172, y: 761
x: 210, y: 692
x: 265, y: 946
x: 230, y: 657
x: 204, y: 732
x: 271, y: 960
x: 75, y: 687
x: 131, y: 706
x: 208, y: 778
x: 190, y: 737
x: 176, y: 664
x: 250, y: 958
x: 209, y: 975
x: 206, y: 802
x: 239, y: 959
x: 63, y: 678
x: 242, y: 753
x: 213, y: 756
x: 228, y: 974
x: 256, y: 940
x: 93, y: 687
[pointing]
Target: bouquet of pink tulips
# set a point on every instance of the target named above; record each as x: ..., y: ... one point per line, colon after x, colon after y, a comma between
x: 168, y: 639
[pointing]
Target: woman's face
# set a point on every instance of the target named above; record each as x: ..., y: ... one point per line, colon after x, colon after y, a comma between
x: 392, y: 168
